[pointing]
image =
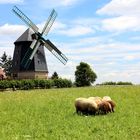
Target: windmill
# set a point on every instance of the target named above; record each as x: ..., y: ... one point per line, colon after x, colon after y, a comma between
x: 38, y: 40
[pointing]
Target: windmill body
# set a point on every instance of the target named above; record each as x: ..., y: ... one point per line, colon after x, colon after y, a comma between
x: 29, y: 57
x: 38, y: 66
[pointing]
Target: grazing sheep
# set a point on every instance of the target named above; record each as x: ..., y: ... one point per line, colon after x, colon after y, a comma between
x: 96, y: 99
x: 81, y: 105
x: 85, y: 106
x: 104, y: 107
x: 112, y: 103
x: 109, y: 100
x: 91, y: 98
x: 92, y: 107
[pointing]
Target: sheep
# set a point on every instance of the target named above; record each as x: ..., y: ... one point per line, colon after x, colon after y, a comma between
x: 81, y: 105
x: 92, y: 107
x: 112, y: 103
x: 109, y: 100
x: 104, y: 107
x: 97, y: 100
x: 85, y: 106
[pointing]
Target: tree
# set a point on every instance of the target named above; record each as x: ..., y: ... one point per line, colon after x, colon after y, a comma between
x: 84, y: 75
x: 6, y: 63
x: 3, y: 59
x: 54, y: 75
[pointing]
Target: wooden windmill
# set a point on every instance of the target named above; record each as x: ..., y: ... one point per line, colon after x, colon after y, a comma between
x: 29, y: 60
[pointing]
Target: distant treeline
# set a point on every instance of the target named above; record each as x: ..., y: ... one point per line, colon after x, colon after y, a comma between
x: 116, y: 83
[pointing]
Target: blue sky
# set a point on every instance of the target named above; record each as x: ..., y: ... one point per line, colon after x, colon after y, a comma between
x: 103, y: 33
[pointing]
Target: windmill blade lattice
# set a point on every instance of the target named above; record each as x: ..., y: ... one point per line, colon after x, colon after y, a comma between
x: 24, y: 18
x: 26, y: 59
x: 49, y: 22
x: 57, y: 53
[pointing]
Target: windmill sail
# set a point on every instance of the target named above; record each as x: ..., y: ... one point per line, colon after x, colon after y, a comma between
x: 23, y: 17
x: 26, y: 59
x: 57, y: 53
x: 49, y: 22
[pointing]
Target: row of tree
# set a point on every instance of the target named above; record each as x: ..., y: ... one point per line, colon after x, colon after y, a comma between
x: 84, y: 75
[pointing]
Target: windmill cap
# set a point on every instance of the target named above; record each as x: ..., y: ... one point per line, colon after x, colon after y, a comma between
x: 26, y: 36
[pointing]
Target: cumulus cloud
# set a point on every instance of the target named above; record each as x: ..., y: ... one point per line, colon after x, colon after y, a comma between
x: 125, y: 15
x: 73, y: 31
x: 121, y: 23
x: 76, y: 31
x: 121, y: 7
x: 9, y: 29
x: 55, y: 3
x: 10, y: 1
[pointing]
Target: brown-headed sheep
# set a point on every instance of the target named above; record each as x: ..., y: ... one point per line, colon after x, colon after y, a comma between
x: 104, y: 107
x: 112, y: 103
x: 109, y: 100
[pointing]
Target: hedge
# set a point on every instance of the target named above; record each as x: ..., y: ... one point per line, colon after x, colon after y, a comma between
x: 36, y: 83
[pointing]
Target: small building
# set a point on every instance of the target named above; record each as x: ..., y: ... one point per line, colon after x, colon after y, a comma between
x: 38, y: 67
x: 2, y: 74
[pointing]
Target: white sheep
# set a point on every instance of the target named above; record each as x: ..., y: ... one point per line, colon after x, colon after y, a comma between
x: 85, y: 106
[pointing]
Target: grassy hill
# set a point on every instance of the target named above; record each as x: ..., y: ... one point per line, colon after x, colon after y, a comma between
x: 49, y: 115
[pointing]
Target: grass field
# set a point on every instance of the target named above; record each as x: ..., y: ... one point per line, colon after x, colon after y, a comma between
x: 49, y: 115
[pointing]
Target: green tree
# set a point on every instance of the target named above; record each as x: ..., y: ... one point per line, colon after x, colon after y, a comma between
x: 3, y: 59
x: 84, y: 75
x: 6, y: 63
x: 54, y: 75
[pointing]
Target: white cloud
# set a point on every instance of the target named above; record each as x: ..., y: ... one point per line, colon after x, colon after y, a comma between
x: 64, y: 29
x: 129, y: 75
x: 126, y: 15
x: 121, y: 7
x: 121, y: 23
x: 8, y: 29
x: 10, y: 1
x: 76, y: 31
x: 55, y: 3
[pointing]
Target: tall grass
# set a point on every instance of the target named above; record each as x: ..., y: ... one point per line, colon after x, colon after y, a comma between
x: 50, y: 115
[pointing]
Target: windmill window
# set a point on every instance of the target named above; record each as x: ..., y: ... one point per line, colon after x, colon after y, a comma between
x: 38, y: 52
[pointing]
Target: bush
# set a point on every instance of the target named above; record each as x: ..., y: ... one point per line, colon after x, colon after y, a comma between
x: 27, y: 84
x: 45, y: 84
x: 49, y: 83
x: 4, y: 84
x: 31, y: 84
x: 62, y: 83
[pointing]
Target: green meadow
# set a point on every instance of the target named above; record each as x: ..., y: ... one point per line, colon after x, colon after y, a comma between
x: 49, y: 114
